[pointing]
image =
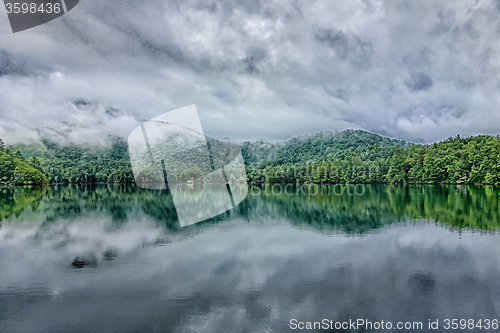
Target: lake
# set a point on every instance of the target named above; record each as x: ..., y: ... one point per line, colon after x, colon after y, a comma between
x: 113, y: 258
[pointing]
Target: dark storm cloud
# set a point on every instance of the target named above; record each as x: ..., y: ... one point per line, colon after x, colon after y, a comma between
x: 346, y: 47
x: 254, y: 69
x: 8, y: 65
x: 419, y: 81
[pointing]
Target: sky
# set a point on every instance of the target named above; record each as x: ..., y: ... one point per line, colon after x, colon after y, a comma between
x: 421, y: 71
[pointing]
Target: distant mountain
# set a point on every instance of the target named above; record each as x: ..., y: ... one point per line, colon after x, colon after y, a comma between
x: 80, y: 122
x: 317, y: 147
x: 351, y: 156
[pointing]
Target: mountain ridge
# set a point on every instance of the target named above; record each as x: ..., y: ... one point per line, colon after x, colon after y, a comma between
x: 352, y: 153
x: 331, y: 147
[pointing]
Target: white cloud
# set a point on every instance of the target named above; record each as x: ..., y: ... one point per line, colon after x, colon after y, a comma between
x: 420, y: 71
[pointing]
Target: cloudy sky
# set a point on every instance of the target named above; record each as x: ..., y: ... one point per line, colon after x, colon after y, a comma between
x: 420, y: 71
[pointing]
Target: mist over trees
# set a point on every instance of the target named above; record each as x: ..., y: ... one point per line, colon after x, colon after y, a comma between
x: 362, y: 157
x: 351, y: 156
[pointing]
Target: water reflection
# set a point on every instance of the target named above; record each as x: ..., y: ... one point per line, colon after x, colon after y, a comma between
x: 323, y: 208
x: 251, y: 269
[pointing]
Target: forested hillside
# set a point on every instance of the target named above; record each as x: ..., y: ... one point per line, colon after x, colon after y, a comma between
x: 16, y: 170
x: 353, y: 156
x: 323, y: 146
x: 74, y: 164
x: 454, y: 161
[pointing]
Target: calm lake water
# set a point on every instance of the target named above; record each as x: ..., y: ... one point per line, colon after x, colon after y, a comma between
x: 113, y: 258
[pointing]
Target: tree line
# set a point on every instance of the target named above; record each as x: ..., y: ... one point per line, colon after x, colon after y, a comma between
x: 472, y: 160
x: 351, y: 156
x: 15, y: 169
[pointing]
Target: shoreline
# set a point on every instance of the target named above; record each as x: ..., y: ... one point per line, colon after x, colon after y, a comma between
x: 261, y: 183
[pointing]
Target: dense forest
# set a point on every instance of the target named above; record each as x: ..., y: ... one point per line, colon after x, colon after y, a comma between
x: 351, y: 156
x: 75, y: 164
x: 16, y: 169
x: 362, y: 157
